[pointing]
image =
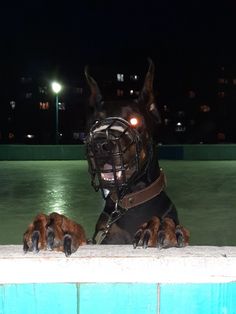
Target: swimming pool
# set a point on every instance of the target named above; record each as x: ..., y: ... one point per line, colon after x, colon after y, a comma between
x: 203, y: 191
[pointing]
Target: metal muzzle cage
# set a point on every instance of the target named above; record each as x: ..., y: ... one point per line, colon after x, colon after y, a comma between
x: 113, y: 154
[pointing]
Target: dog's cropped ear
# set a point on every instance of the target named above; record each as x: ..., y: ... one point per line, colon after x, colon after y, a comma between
x: 95, y: 99
x: 147, y: 98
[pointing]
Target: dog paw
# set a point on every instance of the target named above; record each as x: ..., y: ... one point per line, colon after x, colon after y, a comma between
x: 161, y: 234
x: 53, y: 232
x: 147, y: 233
x: 34, y: 239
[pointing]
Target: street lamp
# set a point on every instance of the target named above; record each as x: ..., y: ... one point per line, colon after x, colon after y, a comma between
x: 56, y: 87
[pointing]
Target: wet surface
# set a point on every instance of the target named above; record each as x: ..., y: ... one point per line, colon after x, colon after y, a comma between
x: 30, y: 187
x: 203, y: 191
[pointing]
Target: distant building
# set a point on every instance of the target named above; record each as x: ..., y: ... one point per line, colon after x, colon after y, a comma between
x: 196, y: 111
x: 29, y: 115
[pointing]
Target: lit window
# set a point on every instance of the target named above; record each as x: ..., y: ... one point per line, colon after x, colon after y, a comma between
x: 180, y: 128
x: 11, y: 136
x: 180, y: 113
x: 61, y: 106
x: 25, y: 80
x: 28, y: 95
x: 79, y: 90
x: 205, y: 108
x: 166, y: 121
x: 29, y: 136
x: 221, y: 94
x: 120, y: 92
x: 43, y: 90
x: 191, y: 94
x: 120, y: 77
x: 12, y: 104
x: 222, y: 81
x: 134, y: 77
x: 43, y: 105
x: 165, y: 108
x: 221, y: 136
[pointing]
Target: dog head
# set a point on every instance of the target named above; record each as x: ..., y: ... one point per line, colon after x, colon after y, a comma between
x: 120, y: 137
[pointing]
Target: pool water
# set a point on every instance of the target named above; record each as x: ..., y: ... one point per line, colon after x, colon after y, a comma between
x: 203, y: 191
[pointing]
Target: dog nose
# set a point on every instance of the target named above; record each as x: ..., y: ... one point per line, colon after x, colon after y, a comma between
x: 105, y: 147
x: 102, y: 148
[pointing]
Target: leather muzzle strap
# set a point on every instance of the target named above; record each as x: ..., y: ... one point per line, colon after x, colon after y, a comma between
x: 142, y: 196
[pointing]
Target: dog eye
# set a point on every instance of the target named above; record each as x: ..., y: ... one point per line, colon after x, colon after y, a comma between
x: 134, y: 121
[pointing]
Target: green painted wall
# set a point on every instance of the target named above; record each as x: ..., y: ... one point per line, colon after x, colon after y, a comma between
x: 77, y: 152
x: 42, y: 152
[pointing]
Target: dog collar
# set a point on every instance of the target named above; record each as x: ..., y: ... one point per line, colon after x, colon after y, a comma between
x: 137, y: 198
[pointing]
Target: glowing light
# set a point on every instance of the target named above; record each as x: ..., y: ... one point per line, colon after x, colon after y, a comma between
x: 133, y: 121
x: 30, y: 135
x: 56, y: 87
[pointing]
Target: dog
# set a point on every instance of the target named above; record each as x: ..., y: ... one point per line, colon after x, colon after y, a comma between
x: 123, y: 164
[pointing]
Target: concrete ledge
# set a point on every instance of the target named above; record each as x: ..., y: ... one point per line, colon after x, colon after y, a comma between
x: 119, y: 264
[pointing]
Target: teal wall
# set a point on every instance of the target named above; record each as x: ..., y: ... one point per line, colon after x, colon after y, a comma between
x: 42, y: 152
x: 114, y: 298
x: 198, y: 152
x: 76, y: 152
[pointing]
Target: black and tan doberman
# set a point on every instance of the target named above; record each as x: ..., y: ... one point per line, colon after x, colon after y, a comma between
x: 123, y: 165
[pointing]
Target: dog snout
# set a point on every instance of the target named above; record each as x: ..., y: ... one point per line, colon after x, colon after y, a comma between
x: 105, y: 147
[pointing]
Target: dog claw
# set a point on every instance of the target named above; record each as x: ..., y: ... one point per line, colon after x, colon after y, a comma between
x: 160, y: 239
x: 67, y: 245
x: 25, y: 247
x: 146, y: 238
x: 181, y: 241
x: 50, y: 240
x: 137, y: 238
x: 141, y: 238
x: 35, y: 241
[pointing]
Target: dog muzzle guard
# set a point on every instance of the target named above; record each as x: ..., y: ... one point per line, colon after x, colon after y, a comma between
x: 113, y: 149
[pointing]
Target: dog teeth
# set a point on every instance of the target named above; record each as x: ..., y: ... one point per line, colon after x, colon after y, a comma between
x: 110, y: 176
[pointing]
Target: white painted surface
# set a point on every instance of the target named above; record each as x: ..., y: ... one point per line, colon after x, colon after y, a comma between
x: 91, y: 263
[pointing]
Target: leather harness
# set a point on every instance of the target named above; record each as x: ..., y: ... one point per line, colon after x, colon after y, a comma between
x: 132, y: 200
x: 137, y: 198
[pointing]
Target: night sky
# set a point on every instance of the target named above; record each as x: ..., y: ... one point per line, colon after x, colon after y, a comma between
x: 66, y: 35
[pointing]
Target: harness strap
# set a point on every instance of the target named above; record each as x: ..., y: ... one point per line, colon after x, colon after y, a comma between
x: 132, y: 200
x: 115, y: 215
x: 137, y: 198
